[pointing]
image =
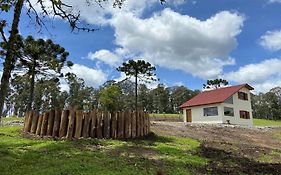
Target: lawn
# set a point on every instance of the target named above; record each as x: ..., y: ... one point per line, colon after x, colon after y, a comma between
x: 172, y: 155
x: 165, y: 115
x: 264, y: 122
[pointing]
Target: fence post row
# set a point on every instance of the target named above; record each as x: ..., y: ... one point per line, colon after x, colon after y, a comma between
x: 95, y: 124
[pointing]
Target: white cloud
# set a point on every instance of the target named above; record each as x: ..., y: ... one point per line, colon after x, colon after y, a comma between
x: 106, y: 56
x: 262, y: 76
x: 92, y: 77
x: 176, y: 41
x: 149, y: 85
x: 271, y: 40
x: 273, y: 1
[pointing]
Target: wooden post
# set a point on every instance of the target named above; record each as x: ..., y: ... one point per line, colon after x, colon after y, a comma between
x: 34, y: 122
x: 127, y: 124
x: 120, y: 127
x: 86, y: 125
x: 39, y: 125
x: 134, y: 127
x: 79, y: 123
x: 141, y: 123
x: 99, y: 125
x: 93, y: 116
x: 50, y: 123
x: 71, y: 121
x: 148, y: 124
x: 106, y: 125
x: 113, y: 125
x: 63, y: 123
x: 138, y: 124
x: 145, y: 124
x: 25, y: 120
x: 56, y: 123
x: 44, y: 124
x: 28, y: 122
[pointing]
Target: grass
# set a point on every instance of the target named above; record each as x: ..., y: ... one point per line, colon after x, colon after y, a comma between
x: 166, y: 115
x: 264, y: 122
x: 172, y: 155
x: 12, y: 119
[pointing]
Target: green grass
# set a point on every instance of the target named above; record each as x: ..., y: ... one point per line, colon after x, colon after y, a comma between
x: 12, y: 119
x: 264, y: 122
x: 171, y: 155
x: 166, y: 115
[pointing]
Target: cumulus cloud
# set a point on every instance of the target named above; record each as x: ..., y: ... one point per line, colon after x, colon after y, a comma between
x: 176, y: 41
x: 92, y: 77
x: 106, y: 56
x: 271, y: 40
x: 263, y: 76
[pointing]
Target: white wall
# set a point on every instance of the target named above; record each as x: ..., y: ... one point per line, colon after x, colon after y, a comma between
x: 197, y: 114
x: 238, y: 105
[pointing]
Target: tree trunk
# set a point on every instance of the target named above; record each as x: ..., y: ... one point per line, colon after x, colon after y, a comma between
x: 136, y: 91
x: 10, y: 59
x: 32, y: 82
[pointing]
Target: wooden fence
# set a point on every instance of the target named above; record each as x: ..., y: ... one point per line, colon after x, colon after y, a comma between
x: 95, y: 124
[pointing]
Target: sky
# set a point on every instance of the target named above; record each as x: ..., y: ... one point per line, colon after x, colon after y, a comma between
x: 188, y: 41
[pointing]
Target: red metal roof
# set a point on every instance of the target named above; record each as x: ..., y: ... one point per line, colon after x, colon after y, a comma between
x: 214, y: 96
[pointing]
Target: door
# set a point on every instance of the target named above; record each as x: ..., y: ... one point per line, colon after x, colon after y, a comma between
x: 188, y: 115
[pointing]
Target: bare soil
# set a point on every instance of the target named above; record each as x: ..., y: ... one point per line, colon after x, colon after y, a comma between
x: 230, y: 149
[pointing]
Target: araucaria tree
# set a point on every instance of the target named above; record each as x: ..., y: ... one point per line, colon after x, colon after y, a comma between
x: 216, y: 83
x: 141, y: 70
x: 56, y: 8
x: 41, y: 58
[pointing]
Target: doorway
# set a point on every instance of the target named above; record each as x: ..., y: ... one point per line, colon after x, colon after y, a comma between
x: 188, y: 115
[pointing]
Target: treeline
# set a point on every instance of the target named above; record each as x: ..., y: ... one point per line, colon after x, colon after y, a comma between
x: 267, y: 105
x: 112, y: 96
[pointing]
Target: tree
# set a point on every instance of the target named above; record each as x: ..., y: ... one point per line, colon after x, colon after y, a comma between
x: 216, y: 83
x: 41, y: 58
x: 110, y: 97
x: 139, y: 69
x: 59, y: 9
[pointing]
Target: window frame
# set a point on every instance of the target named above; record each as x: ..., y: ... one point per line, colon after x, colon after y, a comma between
x: 205, y: 113
x: 243, y: 96
x: 230, y: 113
x: 244, y: 114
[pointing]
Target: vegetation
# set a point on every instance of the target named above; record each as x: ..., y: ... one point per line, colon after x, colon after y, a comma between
x: 265, y: 122
x: 140, y: 70
x: 216, y: 83
x: 171, y: 155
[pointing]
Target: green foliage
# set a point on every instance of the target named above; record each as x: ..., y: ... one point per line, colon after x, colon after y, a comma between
x: 216, y: 83
x: 109, y: 98
x: 267, y: 105
x: 80, y: 96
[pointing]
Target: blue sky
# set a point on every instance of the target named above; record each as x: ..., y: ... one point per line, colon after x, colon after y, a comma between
x: 189, y: 41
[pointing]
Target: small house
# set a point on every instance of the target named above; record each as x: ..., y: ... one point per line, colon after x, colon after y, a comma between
x: 230, y: 105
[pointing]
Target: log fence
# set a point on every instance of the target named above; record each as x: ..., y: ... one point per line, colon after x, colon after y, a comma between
x: 77, y: 124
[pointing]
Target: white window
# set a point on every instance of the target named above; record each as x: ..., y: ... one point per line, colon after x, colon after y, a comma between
x: 228, y: 111
x: 211, y: 111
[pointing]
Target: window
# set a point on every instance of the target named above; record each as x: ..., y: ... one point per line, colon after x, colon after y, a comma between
x: 228, y: 111
x: 212, y: 111
x: 229, y: 100
x: 244, y: 114
x: 242, y: 96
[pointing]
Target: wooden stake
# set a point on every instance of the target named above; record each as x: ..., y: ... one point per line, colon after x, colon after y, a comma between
x: 63, y: 123
x: 70, y: 128
x: 79, y: 123
x: 57, y: 123
x: 50, y: 123
x: 86, y: 125
x: 44, y: 124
